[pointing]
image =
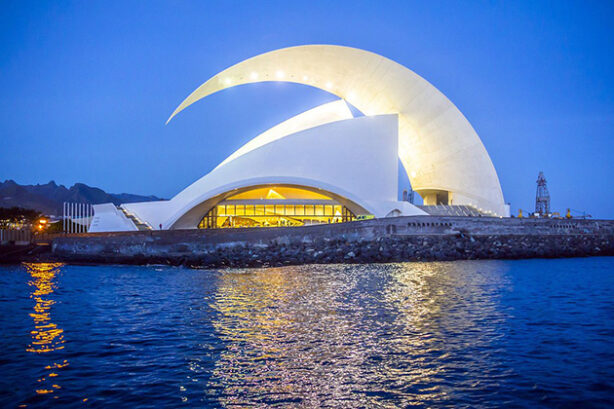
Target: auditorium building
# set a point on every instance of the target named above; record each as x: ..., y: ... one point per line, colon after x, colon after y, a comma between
x: 327, y: 165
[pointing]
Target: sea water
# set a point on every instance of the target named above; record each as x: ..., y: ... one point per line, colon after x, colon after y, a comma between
x: 480, y: 334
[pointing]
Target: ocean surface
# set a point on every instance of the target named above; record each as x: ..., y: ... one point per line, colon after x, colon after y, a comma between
x: 474, y: 334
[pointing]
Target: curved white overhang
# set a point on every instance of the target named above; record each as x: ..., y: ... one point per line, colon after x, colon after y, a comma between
x: 192, y: 212
x: 320, y: 115
x: 437, y: 145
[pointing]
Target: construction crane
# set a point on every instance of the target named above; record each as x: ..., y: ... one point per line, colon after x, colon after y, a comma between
x: 542, y: 197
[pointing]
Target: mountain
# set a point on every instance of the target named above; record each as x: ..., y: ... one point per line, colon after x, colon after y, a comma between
x: 49, y: 198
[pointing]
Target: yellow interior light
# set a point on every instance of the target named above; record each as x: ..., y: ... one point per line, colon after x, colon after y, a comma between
x: 273, y: 195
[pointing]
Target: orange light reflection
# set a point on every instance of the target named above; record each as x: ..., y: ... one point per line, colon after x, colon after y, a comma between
x: 46, y: 336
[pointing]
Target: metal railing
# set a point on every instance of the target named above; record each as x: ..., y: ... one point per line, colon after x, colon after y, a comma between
x: 76, y: 217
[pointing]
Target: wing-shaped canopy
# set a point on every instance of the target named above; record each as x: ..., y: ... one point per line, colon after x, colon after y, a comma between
x: 437, y: 145
x: 320, y: 115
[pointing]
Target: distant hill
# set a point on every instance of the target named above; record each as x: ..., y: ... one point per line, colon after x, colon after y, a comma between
x: 49, y: 198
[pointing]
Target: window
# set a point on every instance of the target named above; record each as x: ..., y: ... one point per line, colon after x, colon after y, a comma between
x: 273, y: 207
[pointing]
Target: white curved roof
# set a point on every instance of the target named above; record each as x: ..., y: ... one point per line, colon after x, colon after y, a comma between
x: 437, y: 145
x: 366, y: 179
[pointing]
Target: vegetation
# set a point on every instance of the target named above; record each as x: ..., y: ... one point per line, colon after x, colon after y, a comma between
x: 18, y: 216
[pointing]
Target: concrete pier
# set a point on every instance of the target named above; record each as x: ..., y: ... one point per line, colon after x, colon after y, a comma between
x: 377, y: 240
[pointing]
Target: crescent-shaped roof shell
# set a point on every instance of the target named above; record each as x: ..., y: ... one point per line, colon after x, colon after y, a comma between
x: 438, y: 147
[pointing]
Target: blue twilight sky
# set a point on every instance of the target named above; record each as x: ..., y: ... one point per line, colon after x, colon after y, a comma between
x: 86, y: 86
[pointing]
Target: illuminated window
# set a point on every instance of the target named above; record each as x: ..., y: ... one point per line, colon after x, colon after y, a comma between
x: 310, y: 210
x: 275, y: 206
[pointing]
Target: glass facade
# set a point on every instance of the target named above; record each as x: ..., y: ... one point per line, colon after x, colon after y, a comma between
x: 275, y: 210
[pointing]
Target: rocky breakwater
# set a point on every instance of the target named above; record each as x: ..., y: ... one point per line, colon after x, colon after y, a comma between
x: 369, y: 241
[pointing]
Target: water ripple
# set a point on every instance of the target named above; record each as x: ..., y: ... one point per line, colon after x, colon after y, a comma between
x: 484, y: 334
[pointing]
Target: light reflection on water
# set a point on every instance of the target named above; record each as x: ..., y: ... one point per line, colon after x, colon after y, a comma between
x: 457, y: 334
x: 46, y: 335
x: 349, y: 339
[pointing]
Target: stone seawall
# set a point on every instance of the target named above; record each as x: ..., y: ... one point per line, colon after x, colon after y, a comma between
x: 378, y: 240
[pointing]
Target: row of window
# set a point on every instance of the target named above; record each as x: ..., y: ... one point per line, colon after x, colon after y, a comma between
x: 280, y: 210
x: 256, y: 215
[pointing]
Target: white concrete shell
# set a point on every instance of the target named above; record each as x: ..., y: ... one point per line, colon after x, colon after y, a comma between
x: 320, y: 115
x: 438, y: 147
x: 354, y: 161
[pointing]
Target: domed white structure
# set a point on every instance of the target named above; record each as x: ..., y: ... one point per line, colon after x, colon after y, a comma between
x: 295, y: 174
